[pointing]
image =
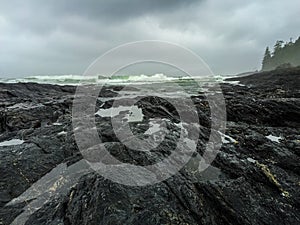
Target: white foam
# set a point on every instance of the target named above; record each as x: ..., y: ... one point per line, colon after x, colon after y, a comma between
x: 155, y: 77
x: 61, y: 77
x: 11, y: 142
x: 116, y: 80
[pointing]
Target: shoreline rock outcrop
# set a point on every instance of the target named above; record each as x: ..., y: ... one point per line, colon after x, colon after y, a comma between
x: 255, y: 178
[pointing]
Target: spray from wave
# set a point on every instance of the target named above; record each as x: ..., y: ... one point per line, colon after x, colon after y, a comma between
x: 115, y: 80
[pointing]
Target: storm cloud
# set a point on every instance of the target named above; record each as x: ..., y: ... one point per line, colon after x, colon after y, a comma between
x: 64, y: 37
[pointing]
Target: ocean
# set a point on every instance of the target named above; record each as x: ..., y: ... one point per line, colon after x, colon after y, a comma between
x: 115, y: 80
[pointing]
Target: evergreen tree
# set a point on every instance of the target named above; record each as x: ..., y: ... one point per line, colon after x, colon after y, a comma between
x: 284, y: 55
x: 267, y: 60
x: 278, y: 46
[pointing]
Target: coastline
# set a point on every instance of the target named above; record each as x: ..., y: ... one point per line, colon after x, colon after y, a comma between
x: 253, y: 180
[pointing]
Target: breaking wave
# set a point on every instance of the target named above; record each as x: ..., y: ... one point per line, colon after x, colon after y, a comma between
x: 78, y: 79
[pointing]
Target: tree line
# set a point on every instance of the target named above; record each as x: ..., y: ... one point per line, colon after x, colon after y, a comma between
x: 283, y: 55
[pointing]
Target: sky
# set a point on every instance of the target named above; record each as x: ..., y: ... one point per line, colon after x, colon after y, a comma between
x: 65, y: 37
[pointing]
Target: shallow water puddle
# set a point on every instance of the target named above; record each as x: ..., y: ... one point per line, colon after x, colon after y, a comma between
x: 132, y: 113
x: 274, y: 138
x: 62, y: 133
x: 156, y: 125
x: 227, y: 139
x: 57, y: 124
x: 11, y: 142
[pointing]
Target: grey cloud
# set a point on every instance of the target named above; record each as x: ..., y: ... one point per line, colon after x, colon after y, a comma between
x: 39, y: 37
x: 101, y: 13
x: 104, y: 10
x: 118, y: 9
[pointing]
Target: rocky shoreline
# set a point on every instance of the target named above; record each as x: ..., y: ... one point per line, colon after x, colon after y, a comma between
x: 255, y: 178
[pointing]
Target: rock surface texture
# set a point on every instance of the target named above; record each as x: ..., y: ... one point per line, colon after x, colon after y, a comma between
x: 255, y: 178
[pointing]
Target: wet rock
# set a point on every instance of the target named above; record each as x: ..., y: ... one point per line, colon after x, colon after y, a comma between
x: 253, y: 180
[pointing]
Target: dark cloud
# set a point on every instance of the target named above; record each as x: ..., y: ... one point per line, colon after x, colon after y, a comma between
x: 119, y: 9
x: 59, y: 37
x: 103, y: 10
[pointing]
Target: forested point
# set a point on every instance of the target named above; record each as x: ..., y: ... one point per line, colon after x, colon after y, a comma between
x: 283, y: 55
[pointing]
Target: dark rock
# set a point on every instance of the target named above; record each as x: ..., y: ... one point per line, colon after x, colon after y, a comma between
x: 253, y: 180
